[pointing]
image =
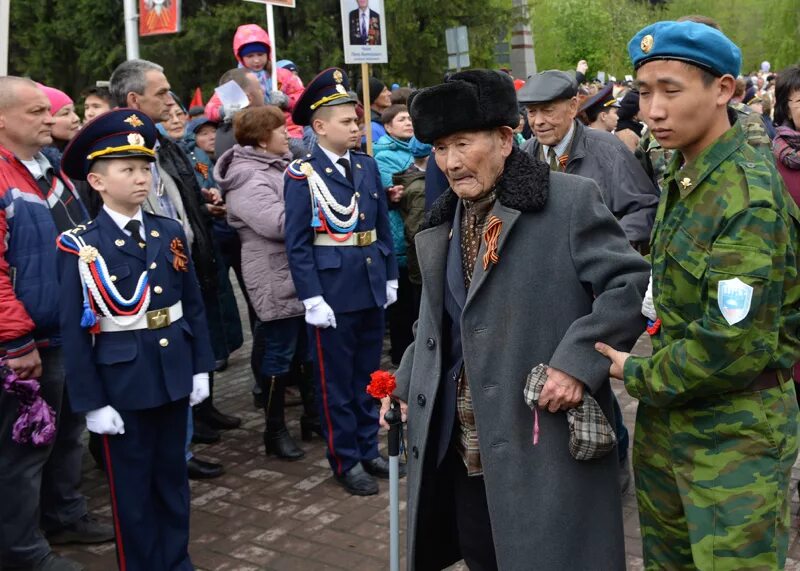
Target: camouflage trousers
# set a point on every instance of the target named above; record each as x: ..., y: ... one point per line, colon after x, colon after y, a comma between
x: 712, y: 481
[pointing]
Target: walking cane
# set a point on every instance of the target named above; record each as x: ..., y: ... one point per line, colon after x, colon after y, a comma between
x: 394, y: 420
x: 382, y: 385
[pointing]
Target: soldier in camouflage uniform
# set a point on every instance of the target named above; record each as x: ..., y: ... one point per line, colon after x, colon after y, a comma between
x: 716, y: 427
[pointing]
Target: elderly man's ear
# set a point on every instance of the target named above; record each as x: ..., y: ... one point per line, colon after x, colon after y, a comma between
x: 506, y: 137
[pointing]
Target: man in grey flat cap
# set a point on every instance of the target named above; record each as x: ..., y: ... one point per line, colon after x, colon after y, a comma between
x: 520, y: 266
x: 568, y: 146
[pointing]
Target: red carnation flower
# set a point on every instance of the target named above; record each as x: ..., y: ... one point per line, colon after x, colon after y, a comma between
x: 382, y: 384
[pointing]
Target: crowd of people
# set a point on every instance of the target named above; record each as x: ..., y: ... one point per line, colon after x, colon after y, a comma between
x: 124, y: 236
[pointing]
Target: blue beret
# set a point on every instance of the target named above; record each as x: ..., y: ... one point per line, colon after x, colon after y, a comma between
x: 690, y: 42
x: 117, y: 134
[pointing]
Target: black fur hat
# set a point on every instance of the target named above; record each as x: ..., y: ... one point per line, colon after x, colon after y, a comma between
x: 470, y: 100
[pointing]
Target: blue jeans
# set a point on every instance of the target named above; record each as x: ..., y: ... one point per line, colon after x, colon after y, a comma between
x: 282, y: 340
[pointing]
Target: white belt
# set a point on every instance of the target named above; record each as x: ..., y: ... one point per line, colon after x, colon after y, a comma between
x: 155, y: 319
x: 355, y: 239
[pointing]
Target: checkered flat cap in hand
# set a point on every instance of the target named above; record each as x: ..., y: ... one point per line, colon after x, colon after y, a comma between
x: 590, y: 434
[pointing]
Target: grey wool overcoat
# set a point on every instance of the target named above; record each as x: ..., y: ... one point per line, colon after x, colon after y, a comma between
x: 566, y: 277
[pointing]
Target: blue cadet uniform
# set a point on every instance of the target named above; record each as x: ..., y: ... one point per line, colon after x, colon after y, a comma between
x: 135, y: 337
x: 340, y: 249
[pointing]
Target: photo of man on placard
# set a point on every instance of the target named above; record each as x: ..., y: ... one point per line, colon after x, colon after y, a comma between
x: 365, y: 25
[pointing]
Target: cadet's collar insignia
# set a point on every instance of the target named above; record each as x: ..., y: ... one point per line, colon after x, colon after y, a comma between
x: 136, y: 139
x: 337, y: 76
x: 119, y: 243
x: 180, y: 260
x: 328, y: 170
x: 154, y: 233
x: 134, y: 121
x: 647, y: 43
x: 686, y: 183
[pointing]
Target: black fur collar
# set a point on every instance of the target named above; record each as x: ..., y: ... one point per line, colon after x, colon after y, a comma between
x: 523, y: 186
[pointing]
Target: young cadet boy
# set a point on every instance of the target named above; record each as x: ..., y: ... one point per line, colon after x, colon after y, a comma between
x: 136, y: 343
x: 340, y: 256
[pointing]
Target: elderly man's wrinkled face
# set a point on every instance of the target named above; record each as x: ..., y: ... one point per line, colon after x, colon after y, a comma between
x: 550, y: 121
x: 473, y: 161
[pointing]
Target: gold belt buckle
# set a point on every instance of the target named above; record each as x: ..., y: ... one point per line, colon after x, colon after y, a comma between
x: 364, y: 238
x: 158, y: 318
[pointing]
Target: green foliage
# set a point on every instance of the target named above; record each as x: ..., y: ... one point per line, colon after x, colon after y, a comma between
x: 566, y: 31
x: 72, y: 43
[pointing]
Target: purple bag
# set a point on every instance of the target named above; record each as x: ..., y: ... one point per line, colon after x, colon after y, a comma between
x: 36, y: 423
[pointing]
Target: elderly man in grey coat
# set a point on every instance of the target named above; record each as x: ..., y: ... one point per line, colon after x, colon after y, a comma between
x: 520, y: 266
x: 568, y: 146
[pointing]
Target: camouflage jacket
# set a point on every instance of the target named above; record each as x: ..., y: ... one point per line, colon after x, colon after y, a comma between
x: 722, y: 217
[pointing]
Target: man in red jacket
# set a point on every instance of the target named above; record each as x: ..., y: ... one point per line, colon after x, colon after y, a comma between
x: 38, y: 484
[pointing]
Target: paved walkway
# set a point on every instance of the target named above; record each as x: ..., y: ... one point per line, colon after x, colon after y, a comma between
x: 265, y: 514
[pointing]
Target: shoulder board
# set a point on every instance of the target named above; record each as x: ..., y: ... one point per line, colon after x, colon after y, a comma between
x: 67, y: 241
x: 299, y: 169
x: 82, y: 228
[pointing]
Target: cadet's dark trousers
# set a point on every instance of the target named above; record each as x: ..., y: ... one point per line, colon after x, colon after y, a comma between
x: 344, y: 358
x: 39, y: 485
x: 149, y: 487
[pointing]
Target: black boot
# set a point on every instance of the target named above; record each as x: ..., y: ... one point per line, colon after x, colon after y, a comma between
x: 208, y: 414
x: 309, y: 422
x: 277, y: 440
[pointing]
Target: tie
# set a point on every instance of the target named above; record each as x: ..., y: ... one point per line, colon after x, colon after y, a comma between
x: 135, y: 228
x: 553, y: 160
x: 364, y: 27
x: 346, y: 166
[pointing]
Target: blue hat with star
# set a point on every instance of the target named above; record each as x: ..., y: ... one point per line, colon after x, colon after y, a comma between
x: 120, y: 133
x: 329, y: 88
x: 690, y: 42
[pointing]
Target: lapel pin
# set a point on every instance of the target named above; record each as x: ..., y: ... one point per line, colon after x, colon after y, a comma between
x: 328, y: 170
x: 154, y: 233
x: 119, y: 243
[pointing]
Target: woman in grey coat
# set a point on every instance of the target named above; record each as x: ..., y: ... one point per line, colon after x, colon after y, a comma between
x: 544, y: 273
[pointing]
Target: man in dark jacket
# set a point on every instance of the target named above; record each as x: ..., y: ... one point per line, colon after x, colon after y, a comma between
x: 255, y: 94
x: 38, y: 484
x: 570, y: 147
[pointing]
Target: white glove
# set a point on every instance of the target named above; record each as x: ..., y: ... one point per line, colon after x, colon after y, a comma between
x: 318, y: 313
x: 200, y: 390
x: 648, y: 309
x: 391, y: 292
x: 105, y: 420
